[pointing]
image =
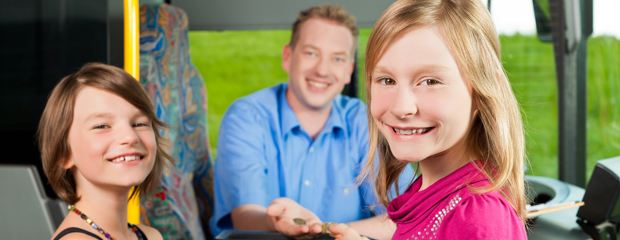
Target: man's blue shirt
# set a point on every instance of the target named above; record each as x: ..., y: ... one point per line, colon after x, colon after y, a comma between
x: 263, y: 153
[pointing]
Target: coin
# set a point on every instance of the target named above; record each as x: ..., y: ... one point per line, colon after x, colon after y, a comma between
x: 325, y: 226
x: 299, y: 221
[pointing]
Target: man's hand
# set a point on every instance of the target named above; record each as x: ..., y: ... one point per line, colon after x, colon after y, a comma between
x: 282, y: 212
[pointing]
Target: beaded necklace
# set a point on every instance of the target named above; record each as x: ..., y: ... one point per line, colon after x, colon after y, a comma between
x: 96, y: 227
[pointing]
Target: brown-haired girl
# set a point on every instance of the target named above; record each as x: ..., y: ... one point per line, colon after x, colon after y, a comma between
x: 98, y: 138
x: 438, y: 97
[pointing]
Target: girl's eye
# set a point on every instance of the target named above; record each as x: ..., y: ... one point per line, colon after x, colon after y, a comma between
x: 430, y: 82
x: 141, y: 125
x: 339, y: 59
x: 311, y: 54
x: 101, y: 126
x: 387, y: 81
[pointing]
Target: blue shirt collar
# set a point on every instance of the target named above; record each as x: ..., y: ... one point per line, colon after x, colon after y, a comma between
x: 289, y: 120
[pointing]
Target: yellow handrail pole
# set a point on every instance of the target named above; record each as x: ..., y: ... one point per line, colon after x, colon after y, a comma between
x: 132, y: 66
x: 132, y: 38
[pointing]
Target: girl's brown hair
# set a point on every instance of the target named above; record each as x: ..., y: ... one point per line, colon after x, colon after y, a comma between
x: 497, y: 131
x: 53, y: 133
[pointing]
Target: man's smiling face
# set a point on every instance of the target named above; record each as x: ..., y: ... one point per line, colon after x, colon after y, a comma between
x: 319, y: 65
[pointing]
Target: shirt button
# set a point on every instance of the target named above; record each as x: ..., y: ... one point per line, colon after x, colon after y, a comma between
x: 346, y: 191
x: 307, y: 183
x: 311, y: 149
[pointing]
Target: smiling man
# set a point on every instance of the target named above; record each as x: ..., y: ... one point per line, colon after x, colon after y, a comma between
x: 294, y: 150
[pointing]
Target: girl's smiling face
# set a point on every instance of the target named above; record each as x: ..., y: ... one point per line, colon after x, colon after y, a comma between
x: 419, y: 100
x: 112, y: 142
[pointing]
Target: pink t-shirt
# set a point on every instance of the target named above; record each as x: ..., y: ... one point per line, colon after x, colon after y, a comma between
x: 449, y: 210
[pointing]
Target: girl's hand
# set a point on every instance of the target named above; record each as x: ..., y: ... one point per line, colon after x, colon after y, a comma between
x: 342, y: 231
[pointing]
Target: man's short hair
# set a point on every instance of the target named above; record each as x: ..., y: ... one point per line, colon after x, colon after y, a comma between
x: 330, y: 12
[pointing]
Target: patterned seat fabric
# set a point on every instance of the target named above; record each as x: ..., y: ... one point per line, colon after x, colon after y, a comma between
x: 183, y: 205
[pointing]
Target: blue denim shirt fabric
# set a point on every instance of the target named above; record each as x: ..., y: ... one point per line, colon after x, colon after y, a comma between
x: 263, y: 153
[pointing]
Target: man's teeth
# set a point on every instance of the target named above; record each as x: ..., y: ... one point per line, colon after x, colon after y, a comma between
x: 411, y: 131
x: 317, y: 84
x: 127, y: 158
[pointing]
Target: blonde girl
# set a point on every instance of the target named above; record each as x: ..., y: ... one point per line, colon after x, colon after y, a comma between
x: 438, y: 97
x: 98, y: 138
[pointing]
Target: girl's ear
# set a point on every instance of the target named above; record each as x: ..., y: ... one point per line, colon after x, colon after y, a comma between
x: 474, y: 102
x: 474, y: 106
x: 68, y: 164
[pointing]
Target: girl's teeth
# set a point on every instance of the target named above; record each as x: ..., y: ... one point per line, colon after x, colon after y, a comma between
x: 410, y: 131
x: 126, y: 158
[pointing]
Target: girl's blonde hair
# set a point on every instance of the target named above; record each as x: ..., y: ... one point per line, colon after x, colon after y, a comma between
x: 496, y: 133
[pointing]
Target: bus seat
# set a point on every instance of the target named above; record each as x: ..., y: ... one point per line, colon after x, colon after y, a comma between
x: 25, y: 211
x: 182, y: 208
